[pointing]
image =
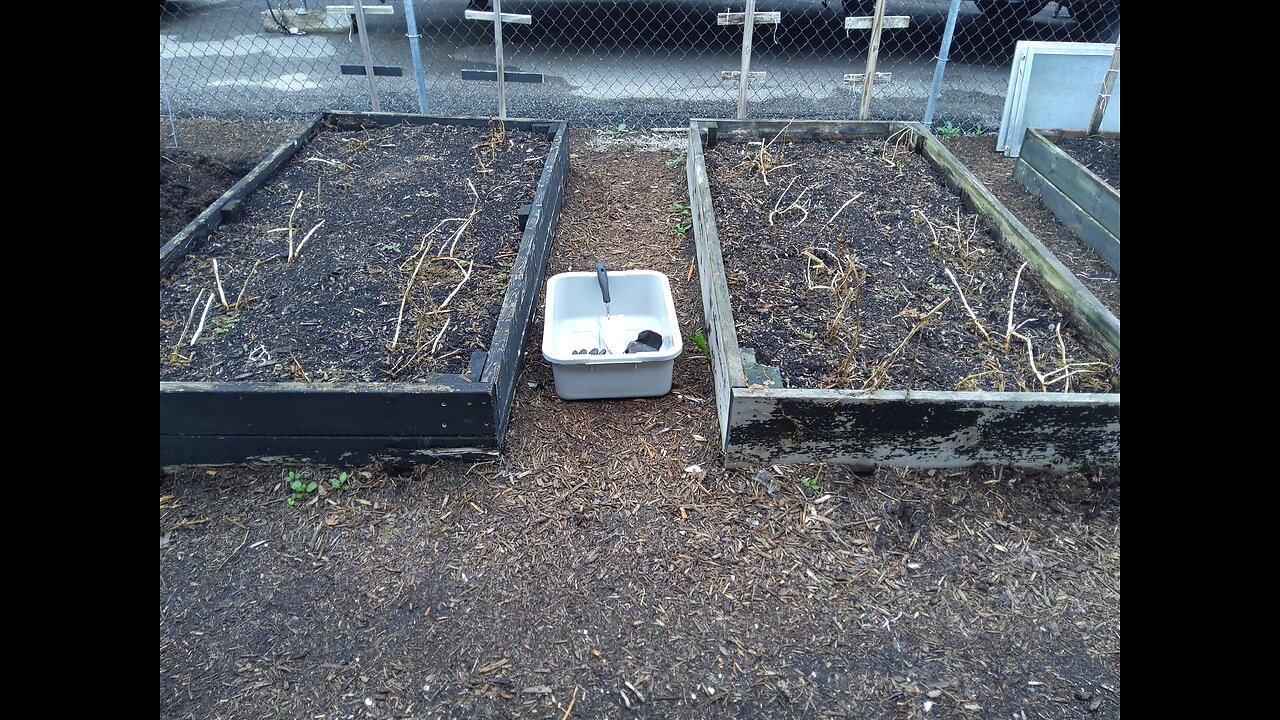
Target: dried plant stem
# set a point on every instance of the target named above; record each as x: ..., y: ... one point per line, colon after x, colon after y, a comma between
x: 298, y: 252
x: 452, y: 244
x: 436, y: 343
x: 475, y: 204
x: 203, y: 316
x: 1031, y: 358
x: 1062, y: 348
x: 846, y: 204
x: 975, y: 376
x: 191, y: 316
x: 880, y: 371
x: 426, y: 248
x: 297, y: 203
x: 470, y: 266
x: 298, y: 366
x: 1009, y: 325
x: 951, y: 276
x: 244, y: 287
x: 217, y: 280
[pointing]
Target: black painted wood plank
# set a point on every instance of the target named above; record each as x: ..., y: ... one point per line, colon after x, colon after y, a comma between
x: 447, y: 407
x: 324, y: 450
x: 527, y: 275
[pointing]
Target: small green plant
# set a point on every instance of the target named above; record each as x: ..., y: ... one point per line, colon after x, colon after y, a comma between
x: 224, y: 323
x: 700, y: 341
x: 676, y: 161
x: 810, y: 483
x: 941, y: 287
x: 797, y: 330
x: 949, y: 130
x: 617, y: 132
x: 342, y: 481
x: 299, y: 488
x: 389, y: 247
x: 681, y: 229
x: 680, y: 207
x: 977, y: 129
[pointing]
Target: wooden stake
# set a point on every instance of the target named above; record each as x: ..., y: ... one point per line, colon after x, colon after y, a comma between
x: 1108, y: 84
x: 873, y: 54
x: 368, y: 59
x: 748, y: 36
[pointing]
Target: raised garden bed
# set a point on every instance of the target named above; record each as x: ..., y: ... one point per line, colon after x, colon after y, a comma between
x: 1082, y: 199
x: 378, y: 274
x: 872, y: 277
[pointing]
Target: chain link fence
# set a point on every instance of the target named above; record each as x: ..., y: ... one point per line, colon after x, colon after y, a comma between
x: 604, y: 62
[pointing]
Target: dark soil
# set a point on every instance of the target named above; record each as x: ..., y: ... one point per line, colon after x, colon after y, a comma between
x: 863, y: 301
x: 1099, y: 154
x: 387, y: 199
x: 608, y: 567
x: 211, y: 157
x: 995, y: 171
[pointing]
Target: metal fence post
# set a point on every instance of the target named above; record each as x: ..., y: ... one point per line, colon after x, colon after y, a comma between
x: 944, y: 52
x: 168, y: 104
x: 411, y: 24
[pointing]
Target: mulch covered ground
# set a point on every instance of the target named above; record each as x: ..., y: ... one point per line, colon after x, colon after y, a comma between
x: 607, y: 566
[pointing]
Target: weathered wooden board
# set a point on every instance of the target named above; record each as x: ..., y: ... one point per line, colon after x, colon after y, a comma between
x: 1074, y: 180
x: 737, y: 75
x: 721, y: 337
x: 740, y: 18
x: 924, y: 429
x: 507, y: 18
x: 516, y: 316
x: 1081, y: 223
x: 378, y: 70
x: 210, y: 423
x: 794, y: 129
x: 446, y: 406
x: 507, y: 75
x: 866, y: 23
x: 320, y: 450
x: 762, y: 425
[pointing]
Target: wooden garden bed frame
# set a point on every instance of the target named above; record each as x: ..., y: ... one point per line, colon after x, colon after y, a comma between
x: 763, y: 425
x: 465, y: 415
x: 1083, y: 201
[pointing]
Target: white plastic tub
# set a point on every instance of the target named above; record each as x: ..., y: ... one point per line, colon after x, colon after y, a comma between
x: 572, y: 322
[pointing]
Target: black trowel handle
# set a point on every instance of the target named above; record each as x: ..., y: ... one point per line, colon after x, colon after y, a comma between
x: 602, y: 274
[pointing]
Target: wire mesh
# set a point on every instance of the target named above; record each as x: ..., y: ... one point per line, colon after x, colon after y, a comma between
x: 605, y: 62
